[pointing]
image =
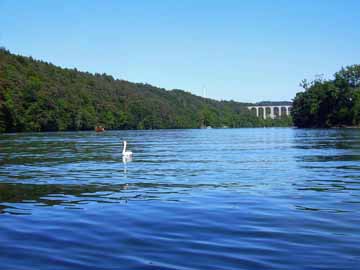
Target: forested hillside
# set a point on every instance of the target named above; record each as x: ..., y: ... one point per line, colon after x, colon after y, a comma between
x: 39, y: 96
x: 329, y: 103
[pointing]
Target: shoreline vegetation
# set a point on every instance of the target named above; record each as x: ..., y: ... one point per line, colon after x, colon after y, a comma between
x: 333, y: 103
x: 39, y: 96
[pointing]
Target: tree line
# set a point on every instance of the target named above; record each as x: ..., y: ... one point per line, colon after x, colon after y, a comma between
x: 39, y: 96
x: 329, y: 103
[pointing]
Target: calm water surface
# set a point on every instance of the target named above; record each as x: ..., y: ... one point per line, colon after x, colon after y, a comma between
x: 190, y: 199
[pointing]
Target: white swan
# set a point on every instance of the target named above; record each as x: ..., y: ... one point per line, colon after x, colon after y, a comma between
x: 126, y: 153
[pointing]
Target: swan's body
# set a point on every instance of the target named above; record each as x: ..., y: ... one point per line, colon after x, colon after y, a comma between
x: 126, y: 153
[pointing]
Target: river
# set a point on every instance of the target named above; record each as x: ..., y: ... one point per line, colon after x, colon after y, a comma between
x: 272, y: 198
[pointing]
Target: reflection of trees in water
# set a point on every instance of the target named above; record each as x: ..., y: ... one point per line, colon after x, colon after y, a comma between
x: 16, y: 197
x: 327, y: 163
x: 345, y: 139
x: 50, y: 195
x: 331, y: 145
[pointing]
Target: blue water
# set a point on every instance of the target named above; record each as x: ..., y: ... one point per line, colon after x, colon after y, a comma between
x: 189, y: 199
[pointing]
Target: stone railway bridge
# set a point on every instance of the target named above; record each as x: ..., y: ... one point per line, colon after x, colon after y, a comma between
x: 271, y: 110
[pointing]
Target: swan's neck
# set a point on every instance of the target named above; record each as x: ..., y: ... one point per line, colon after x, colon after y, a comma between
x: 124, y: 149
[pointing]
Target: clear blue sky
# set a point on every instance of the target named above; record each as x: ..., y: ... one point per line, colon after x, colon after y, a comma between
x: 241, y: 50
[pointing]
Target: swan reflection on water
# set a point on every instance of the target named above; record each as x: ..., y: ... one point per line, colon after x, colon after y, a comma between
x: 126, y: 159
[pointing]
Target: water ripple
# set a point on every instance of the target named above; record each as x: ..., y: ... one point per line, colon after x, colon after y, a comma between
x: 190, y: 199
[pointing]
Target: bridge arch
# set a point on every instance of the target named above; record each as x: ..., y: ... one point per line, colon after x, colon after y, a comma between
x: 254, y: 111
x: 268, y: 112
x: 277, y: 112
x: 261, y: 112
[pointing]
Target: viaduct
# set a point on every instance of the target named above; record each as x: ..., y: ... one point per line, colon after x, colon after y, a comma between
x: 271, y: 109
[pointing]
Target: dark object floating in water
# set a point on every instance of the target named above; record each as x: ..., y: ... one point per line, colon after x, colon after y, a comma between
x: 99, y: 129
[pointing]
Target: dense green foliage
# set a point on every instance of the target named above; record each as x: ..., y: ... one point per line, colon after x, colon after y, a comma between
x: 38, y: 96
x: 329, y: 103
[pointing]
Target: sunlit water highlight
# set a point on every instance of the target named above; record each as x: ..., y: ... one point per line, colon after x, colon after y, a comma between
x: 190, y: 199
